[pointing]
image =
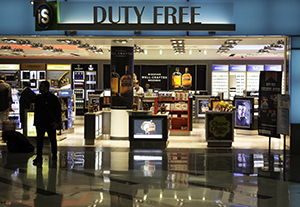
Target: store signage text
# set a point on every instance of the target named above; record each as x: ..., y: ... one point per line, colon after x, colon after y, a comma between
x: 154, y: 77
x: 170, y: 14
x: 219, y: 126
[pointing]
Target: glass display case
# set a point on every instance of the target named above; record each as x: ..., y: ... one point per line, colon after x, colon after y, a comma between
x: 220, y: 80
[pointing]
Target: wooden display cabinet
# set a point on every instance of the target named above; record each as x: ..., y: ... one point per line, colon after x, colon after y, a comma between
x: 180, y: 112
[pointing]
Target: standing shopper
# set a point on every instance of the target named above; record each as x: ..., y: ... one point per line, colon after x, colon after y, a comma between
x: 47, y: 117
x: 5, y: 99
x: 27, y: 98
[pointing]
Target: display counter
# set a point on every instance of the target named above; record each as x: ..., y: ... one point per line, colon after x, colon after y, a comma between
x: 147, y: 130
x: 219, y: 128
x: 29, y: 129
x: 92, y: 127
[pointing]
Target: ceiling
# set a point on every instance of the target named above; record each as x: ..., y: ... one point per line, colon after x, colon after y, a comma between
x: 155, y: 48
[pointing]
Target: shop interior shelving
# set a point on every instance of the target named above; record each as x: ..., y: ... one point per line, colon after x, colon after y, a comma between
x: 180, y: 116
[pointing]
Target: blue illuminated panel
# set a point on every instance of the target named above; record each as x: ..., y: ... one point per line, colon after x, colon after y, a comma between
x: 276, y: 68
x: 255, y: 68
x: 220, y: 68
x: 235, y: 68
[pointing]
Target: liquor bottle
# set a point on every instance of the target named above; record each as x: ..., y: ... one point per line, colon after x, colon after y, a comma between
x: 114, y: 81
x: 33, y: 81
x: 187, y: 79
x: 176, y: 79
x: 126, y: 84
x: 134, y: 77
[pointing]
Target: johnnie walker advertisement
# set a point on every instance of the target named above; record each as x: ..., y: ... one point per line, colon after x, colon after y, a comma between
x: 121, y: 77
x: 269, y: 89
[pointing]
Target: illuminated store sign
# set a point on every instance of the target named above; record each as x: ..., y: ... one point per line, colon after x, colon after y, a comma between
x: 9, y: 67
x: 273, y: 68
x: 59, y: 67
x: 220, y: 67
x: 238, y: 68
x: 255, y: 68
x: 188, y: 16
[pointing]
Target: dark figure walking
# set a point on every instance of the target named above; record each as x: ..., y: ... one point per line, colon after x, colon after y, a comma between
x: 47, y: 117
x: 27, y: 98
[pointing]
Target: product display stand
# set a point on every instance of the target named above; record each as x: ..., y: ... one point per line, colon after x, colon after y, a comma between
x: 92, y: 127
x: 180, y: 114
x: 119, y: 124
x: 219, y: 128
x: 147, y: 130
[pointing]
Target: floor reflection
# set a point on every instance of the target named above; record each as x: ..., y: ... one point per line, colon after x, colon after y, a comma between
x: 117, y: 177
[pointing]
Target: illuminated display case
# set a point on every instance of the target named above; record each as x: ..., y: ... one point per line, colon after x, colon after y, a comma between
x: 237, y: 80
x: 147, y: 130
x: 33, y: 73
x: 92, y: 127
x: 220, y: 81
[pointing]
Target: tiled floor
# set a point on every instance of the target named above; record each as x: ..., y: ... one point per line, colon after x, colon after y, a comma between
x: 187, y: 173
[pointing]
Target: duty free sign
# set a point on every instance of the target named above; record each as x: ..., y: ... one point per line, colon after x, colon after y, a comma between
x: 180, y: 16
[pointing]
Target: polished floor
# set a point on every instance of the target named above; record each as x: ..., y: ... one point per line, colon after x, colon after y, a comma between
x: 186, y: 173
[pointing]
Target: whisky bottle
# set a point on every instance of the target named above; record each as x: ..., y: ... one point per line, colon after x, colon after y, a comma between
x: 126, y: 84
x: 33, y: 81
x: 187, y: 79
x: 114, y: 81
x: 176, y: 79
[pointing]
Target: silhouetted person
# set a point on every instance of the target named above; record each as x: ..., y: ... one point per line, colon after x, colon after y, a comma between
x: 47, y: 117
x: 27, y: 98
x: 5, y: 99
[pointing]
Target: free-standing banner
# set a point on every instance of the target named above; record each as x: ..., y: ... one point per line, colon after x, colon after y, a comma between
x: 283, y: 114
x: 269, y: 89
x: 121, y: 77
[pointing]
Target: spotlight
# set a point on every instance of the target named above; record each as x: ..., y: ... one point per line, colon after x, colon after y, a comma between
x: 31, y: 2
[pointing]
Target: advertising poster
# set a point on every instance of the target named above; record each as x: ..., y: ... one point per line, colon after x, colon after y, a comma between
x: 182, y: 77
x: 203, y: 106
x: 121, y: 77
x: 146, y: 129
x: 269, y: 89
x: 243, y: 116
x: 219, y: 126
x: 283, y: 115
x: 154, y: 77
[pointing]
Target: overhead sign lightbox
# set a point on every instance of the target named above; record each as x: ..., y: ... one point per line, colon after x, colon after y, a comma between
x: 59, y: 67
x: 177, y: 16
x: 9, y: 67
x: 238, y: 68
x: 220, y: 68
x: 275, y: 68
x: 255, y: 68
